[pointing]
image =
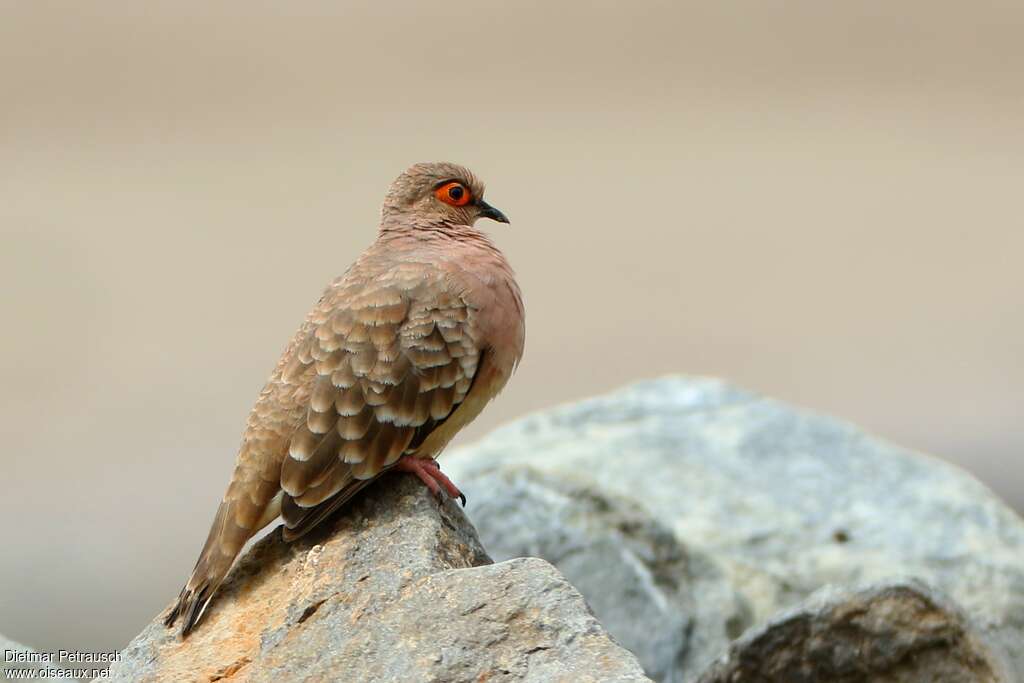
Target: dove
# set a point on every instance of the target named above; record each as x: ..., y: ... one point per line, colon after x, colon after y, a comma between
x: 400, y: 353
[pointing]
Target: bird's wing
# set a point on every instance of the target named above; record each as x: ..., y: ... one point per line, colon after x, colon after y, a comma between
x: 392, y: 362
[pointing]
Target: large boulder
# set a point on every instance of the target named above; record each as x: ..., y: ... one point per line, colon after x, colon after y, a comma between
x: 662, y: 601
x: 763, y: 505
x: 396, y: 588
x: 895, y: 633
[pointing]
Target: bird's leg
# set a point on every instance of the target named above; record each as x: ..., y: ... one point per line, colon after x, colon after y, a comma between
x: 430, y: 474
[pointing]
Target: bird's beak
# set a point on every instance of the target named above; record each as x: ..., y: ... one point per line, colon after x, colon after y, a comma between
x: 488, y: 211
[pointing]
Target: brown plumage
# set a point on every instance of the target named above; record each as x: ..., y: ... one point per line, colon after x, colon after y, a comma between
x: 399, y: 354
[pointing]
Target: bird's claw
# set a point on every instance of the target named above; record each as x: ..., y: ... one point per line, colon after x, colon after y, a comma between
x: 429, y: 472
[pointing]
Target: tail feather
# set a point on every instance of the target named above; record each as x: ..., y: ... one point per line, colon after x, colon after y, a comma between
x: 191, y: 605
x: 227, y: 537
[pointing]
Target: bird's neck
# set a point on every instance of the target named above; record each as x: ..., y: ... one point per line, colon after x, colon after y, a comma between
x: 442, y: 239
x: 429, y: 230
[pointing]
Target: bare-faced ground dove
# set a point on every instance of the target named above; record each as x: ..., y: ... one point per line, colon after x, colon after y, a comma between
x: 399, y: 354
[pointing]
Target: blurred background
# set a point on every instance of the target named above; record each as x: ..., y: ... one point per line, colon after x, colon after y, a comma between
x: 818, y: 201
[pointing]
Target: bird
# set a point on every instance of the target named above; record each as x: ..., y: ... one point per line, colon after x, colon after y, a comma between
x: 400, y: 353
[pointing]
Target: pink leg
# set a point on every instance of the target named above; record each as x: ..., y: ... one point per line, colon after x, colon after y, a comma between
x: 430, y: 474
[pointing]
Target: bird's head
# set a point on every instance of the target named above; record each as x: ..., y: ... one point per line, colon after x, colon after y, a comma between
x: 439, y: 192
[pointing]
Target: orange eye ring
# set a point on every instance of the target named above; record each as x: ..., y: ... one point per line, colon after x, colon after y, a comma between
x: 454, y: 194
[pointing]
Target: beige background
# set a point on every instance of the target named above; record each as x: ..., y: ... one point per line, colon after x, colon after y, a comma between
x: 819, y: 201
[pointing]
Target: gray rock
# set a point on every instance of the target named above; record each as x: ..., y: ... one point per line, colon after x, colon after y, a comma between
x: 396, y: 588
x: 638, y: 579
x: 770, y: 503
x: 518, y: 621
x: 10, y: 649
x: 10, y: 665
x: 895, y: 633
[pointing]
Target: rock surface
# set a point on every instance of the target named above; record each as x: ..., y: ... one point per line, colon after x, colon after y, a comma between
x: 397, y: 588
x: 15, y: 667
x: 766, y: 504
x: 661, y: 602
x: 48, y: 666
x: 898, y: 633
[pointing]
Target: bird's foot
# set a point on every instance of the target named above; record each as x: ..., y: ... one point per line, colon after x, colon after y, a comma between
x: 430, y: 474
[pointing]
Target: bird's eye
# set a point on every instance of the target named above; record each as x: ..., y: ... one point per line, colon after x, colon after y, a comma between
x: 453, y: 193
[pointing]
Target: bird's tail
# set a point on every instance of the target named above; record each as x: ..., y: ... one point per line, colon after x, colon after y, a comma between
x: 238, y: 518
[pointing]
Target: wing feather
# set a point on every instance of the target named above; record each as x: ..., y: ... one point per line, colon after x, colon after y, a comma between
x: 392, y: 364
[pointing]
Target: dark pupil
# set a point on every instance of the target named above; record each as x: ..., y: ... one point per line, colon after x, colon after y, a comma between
x: 456, y: 192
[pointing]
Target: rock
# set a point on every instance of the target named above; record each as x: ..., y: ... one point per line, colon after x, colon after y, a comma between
x: 396, y: 588
x: 767, y: 503
x: 10, y: 651
x: 890, y: 633
x: 632, y: 570
x: 44, y: 666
